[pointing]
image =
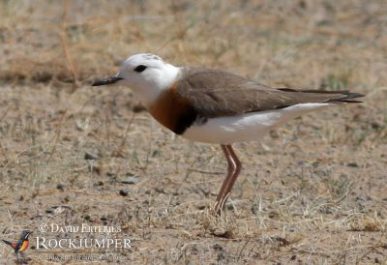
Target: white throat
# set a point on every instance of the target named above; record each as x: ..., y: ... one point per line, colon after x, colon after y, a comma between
x: 153, y: 82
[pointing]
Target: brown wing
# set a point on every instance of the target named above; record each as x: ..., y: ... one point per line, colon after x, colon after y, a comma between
x: 215, y: 93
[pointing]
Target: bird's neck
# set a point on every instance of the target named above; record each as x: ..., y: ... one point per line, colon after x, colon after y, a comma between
x: 159, y: 83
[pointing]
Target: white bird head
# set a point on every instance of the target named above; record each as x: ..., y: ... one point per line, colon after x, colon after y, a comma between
x: 146, y: 74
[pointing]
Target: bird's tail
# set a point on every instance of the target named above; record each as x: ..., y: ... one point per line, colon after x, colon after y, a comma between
x: 323, y: 96
x: 7, y: 242
x: 347, y: 97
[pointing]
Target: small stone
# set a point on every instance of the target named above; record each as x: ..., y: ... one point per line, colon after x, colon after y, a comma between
x: 130, y: 180
x: 159, y: 190
x: 124, y: 193
x: 376, y: 125
x: 201, y: 206
x: 60, y: 186
x: 352, y: 164
x: 90, y: 156
x: 104, y: 220
x: 273, y: 215
x: 87, y: 217
x: 217, y: 247
x: 221, y: 232
x: 99, y: 183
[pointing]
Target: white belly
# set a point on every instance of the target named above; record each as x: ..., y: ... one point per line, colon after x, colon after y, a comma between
x: 245, y: 127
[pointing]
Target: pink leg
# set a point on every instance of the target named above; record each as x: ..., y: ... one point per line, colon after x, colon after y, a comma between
x: 234, y: 168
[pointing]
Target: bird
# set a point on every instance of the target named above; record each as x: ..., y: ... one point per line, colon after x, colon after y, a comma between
x: 22, y: 244
x: 216, y: 106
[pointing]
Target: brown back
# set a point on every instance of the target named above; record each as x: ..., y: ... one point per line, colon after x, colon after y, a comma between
x: 215, y: 93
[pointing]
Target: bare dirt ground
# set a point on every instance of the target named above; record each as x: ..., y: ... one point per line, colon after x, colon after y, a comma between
x: 312, y: 192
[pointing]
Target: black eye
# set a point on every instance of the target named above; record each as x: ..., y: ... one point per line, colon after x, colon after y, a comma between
x: 140, y: 68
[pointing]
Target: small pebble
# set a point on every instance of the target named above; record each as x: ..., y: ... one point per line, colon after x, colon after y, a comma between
x: 60, y: 186
x: 130, y: 180
x: 124, y: 192
x: 352, y: 164
x: 90, y: 156
x: 87, y: 217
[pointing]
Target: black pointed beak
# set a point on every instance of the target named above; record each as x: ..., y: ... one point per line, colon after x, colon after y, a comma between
x: 108, y: 81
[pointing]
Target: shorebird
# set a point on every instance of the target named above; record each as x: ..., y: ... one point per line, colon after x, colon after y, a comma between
x: 215, y: 106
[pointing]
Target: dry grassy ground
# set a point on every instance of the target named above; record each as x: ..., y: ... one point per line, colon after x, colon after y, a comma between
x: 312, y: 192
